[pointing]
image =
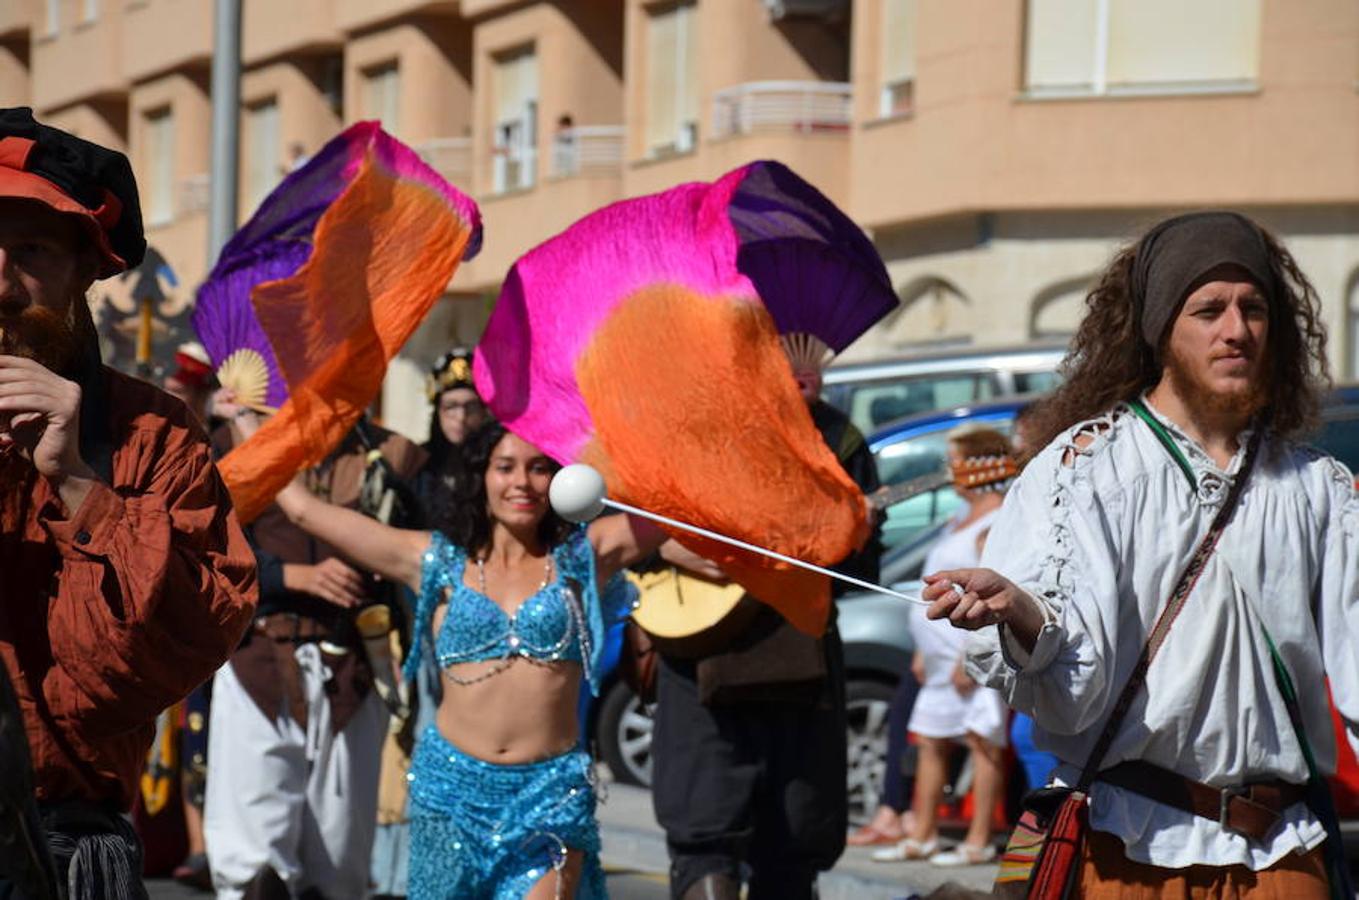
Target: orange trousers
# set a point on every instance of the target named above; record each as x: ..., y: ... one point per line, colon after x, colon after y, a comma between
x: 1108, y: 873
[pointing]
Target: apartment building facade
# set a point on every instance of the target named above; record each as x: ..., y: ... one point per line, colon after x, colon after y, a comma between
x: 997, y: 150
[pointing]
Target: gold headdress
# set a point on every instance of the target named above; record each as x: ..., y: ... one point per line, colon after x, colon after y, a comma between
x: 453, y: 370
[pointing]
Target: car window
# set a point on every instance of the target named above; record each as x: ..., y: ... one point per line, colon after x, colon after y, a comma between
x: 919, y: 455
x: 1340, y: 438
x: 873, y: 404
x: 914, y: 515
x: 1035, y: 382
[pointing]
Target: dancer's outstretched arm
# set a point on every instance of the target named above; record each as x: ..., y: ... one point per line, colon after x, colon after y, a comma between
x: 393, y: 553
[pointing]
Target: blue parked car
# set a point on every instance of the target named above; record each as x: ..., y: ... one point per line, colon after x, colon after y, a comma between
x: 918, y: 445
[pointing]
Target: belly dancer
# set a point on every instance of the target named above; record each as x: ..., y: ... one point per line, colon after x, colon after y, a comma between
x: 513, y: 603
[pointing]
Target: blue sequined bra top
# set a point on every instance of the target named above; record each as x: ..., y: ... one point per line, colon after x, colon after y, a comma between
x: 565, y: 620
x: 545, y: 627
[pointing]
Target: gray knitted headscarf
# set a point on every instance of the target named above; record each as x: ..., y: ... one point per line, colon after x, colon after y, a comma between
x: 1177, y: 252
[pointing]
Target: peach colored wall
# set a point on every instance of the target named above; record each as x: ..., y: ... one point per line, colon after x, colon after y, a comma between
x: 182, y: 240
x: 304, y: 114
x: 16, y: 88
x: 160, y: 35
x: 82, y: 61
x: 576, y: 76
x: 357, y: 15
x: 303, y: 26
x: 737, y: 43
x: 974, y: 143
x: 475, y: 9
x: 586, y: 51
x: 18, y: 16
x: 103, y: 122
x: 821, y: 159
x: 516, y: 222
x: 432, y: 55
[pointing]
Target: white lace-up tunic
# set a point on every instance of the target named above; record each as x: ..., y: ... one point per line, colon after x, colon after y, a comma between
x: 1101, y: 540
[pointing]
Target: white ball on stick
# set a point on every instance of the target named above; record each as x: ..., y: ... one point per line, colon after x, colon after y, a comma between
x: 577, y: 493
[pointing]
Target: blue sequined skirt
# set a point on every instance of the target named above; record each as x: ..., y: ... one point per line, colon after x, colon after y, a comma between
x: 484, y: 831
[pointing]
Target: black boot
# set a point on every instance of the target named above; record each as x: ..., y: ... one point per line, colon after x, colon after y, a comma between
x: 266, y: 885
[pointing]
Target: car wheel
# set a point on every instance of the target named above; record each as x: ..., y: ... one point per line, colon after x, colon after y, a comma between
x: 624, y: 735
x: 866, y: 706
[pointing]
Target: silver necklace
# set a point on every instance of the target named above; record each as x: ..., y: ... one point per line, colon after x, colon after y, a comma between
x: 514, y: 638
x: 481, y: 574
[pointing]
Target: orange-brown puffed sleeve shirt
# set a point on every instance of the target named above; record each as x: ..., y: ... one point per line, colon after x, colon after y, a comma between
x: 110, y: 615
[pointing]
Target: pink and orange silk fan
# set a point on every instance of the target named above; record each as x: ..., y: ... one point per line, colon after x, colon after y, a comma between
x: 641, y: 341
x: 321, y: 288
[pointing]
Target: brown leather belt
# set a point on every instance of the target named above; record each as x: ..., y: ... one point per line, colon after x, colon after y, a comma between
x: 1251, y: 809
x: 291, y: 627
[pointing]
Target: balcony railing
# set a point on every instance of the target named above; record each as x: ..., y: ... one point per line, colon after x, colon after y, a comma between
x: 587, y: 149
x: 451, y: 158
x: 808, y: 107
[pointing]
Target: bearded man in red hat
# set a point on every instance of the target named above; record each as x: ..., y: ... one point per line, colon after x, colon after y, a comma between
x: 125, y: 579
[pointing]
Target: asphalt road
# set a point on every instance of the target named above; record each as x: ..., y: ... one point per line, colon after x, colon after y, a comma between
x: 623, y: 885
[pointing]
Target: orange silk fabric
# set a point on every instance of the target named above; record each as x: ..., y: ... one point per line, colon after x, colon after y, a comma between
x: 384, y: 253
x: 769, y: 478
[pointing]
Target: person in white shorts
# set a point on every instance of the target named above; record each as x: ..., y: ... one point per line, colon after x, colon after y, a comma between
x: 951, y: 708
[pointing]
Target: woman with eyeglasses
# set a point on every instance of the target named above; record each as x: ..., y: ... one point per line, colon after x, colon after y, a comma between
x: 456, y: 411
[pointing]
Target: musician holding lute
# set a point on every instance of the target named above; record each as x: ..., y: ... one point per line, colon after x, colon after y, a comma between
x: 748, y: 708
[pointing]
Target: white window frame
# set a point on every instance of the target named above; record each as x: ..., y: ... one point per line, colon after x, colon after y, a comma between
x: 1100, y: 87
x: 889, y: 89
x: 684, y: 132
x: 264, y: 164
x: 160, y: 164
x: 378, y: 80
x: 52, y: 18
x: 515, y: 142
x: 89, y: 11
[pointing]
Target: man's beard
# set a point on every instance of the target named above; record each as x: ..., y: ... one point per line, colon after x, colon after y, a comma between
x: 1243, y: 402
x: 42, y: 335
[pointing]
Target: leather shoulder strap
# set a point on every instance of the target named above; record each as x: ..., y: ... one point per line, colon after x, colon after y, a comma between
x: 1183, y: 588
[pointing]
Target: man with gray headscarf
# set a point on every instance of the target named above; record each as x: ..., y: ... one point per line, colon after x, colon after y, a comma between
x: 125, y: 579
x: 1179, y: 678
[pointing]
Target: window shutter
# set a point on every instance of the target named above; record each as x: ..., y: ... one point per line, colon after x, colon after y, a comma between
x: 1168, y: 41
x: 898, y: 49
x: 1059, y: 45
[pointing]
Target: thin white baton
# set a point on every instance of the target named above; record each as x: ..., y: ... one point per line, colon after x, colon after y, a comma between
x: 675, y: 523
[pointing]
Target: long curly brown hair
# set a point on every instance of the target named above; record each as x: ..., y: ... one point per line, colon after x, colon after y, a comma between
x: 1109, y: 362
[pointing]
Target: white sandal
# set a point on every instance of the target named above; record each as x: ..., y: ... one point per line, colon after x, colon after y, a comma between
x: 906, y: 850
x: 964, y: 855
